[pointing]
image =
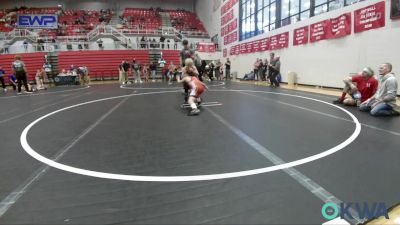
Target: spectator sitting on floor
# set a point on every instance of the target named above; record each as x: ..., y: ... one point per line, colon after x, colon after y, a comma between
x: 360, y: 87
x: 383, y: 103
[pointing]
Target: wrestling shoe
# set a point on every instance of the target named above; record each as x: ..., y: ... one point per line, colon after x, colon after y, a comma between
x: 338, y: 101
x: 194, y: 112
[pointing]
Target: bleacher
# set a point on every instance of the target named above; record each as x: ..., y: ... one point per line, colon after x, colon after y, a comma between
x: 5, y: 27
x: 147, y: 19
x: 44, y: 10
x: 186, y: 21
x: 73, y: 22
x: 171, y: 56
x: 80, y: 22
x: 103, y: 64
x: 33, y: 62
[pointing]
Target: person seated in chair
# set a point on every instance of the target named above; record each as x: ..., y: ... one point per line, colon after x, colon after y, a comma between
x: 360, y: 87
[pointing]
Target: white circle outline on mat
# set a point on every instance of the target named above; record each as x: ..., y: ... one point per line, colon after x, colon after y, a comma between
x: 46, y: 93
x: 158, y: 88
x: 34, y: 154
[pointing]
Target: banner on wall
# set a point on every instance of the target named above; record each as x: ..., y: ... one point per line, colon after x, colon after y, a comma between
x: 37, y: 21
x: 279, y: 41
x: 229, y: 28
x: 283, y: 40
x: 255, y: 46
x: 264, y: 44
x: 230, y: 38
x: 300, y: 36
x: 232, y: 50
x: 249, y: 47
x: 370, y: 17
x: 243, y: 49
x: 227, y: 6
x: 206, y: 47
x: 340, y: 26
x: 318, y: 31
x: 224, y: 52
x: 228, y: 17
x: 237, y: 49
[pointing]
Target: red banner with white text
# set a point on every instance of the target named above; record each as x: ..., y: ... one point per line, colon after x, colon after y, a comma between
x: 340, y: 26
x: 300, y: 36
x: 206, y: 47
x: 318, y: 31
x: 370, y: 17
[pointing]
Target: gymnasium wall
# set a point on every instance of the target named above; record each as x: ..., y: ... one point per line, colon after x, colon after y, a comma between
x: 325, y: 62
x: 209, y: 18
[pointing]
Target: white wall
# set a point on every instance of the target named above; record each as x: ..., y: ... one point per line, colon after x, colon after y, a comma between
x: 210, y: 56
x: 210, y: 19
x: 101, y: 4
x: 327, y: 62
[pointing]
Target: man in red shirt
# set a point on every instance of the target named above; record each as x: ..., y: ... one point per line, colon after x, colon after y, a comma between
x: 360, y: 87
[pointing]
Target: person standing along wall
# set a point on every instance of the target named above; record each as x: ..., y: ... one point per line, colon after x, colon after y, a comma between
x: 136, y: 71
x: 228, y: 69
x: 124, y: 69
x: 20, y: 72
x: 153, y: 68
x: 275, y: 67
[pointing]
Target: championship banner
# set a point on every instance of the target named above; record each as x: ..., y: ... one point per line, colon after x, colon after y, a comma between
x: 264, y: 44
x: 255, y: 46
x: 228, y: 17
x: 279, y: 41
x: 237, y: 49
x: 300, y: 36
x: 206, y: 47
x: 273, y: 42
x: 243, y: 49
x: 227, y: 6
x: 227, y: 39
x: 283, y: 40
x: 318, y: 31
x: 340, y: 26
x: 249, y: 47
x: 37, y: 21
x: 201, y: 48
x: 370, y: 17
x: 232, y: 50
x: 210, y: 47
